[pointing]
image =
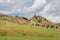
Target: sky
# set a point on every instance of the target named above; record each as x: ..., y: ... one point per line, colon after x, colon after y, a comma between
x: 49, y: 9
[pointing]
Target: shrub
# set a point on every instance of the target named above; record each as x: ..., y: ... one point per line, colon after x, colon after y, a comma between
x: 39, y: 20
x: 35, y: 16
x: 37, y: 25
x: 56, y: 27
x: 4, y: 19
x: 52, y: 26
x: 47, y: 26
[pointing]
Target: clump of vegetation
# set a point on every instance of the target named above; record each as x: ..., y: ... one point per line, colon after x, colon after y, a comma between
x: 37, y: 25
x: 56, y: 27
x: 47, y: 26
x: 52, y: 26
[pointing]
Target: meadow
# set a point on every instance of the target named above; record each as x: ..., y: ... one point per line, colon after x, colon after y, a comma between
x: 28, y: 38
x: 25, y: 32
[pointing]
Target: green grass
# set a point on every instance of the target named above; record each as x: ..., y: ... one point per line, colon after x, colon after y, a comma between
x: 25, y: 32
x: 28, y: 38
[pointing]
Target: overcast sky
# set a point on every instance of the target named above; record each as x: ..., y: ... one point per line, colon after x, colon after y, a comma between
x: 49, y: 9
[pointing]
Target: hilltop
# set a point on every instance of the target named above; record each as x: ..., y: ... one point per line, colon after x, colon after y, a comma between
x: 13, y: 19
x: 34, y: 21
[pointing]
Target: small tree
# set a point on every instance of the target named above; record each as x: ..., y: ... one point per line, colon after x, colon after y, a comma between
x: 45, y: 19
x: 56, y: 27
x: 39, y: 20
x: 35, y: 16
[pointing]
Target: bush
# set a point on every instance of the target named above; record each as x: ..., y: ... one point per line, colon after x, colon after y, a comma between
x: 4, y: 19
x: 47, y: 26
x: 37, y: 25
x: 52, y: 26
x: 56, y: 27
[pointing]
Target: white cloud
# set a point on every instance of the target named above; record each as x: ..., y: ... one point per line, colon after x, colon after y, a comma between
x: 6, y: 1
x: 9, y: 1
x: 46, y: 8
x: 2, y: 0
x: 38, y: 3
x: 20, y: 5
x: 5, y: 12
x: 15, y: 9
x: 35, y: 5
x: 53, y: 19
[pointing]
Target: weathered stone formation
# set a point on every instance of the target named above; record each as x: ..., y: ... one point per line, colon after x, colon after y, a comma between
x: 41, y: 22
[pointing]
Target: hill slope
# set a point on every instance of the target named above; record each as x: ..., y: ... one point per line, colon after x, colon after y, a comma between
x: 17, y: 30
x: 9, y: 27
x: 34, y: 21
x: 13, y: 19
x: 42, y: 22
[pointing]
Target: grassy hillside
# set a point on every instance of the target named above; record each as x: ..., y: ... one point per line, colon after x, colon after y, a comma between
x: 19, y: 28
x: 34, y: 21
x: 25, y: 32
x: 15, y: 29
x: 13, y: 19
